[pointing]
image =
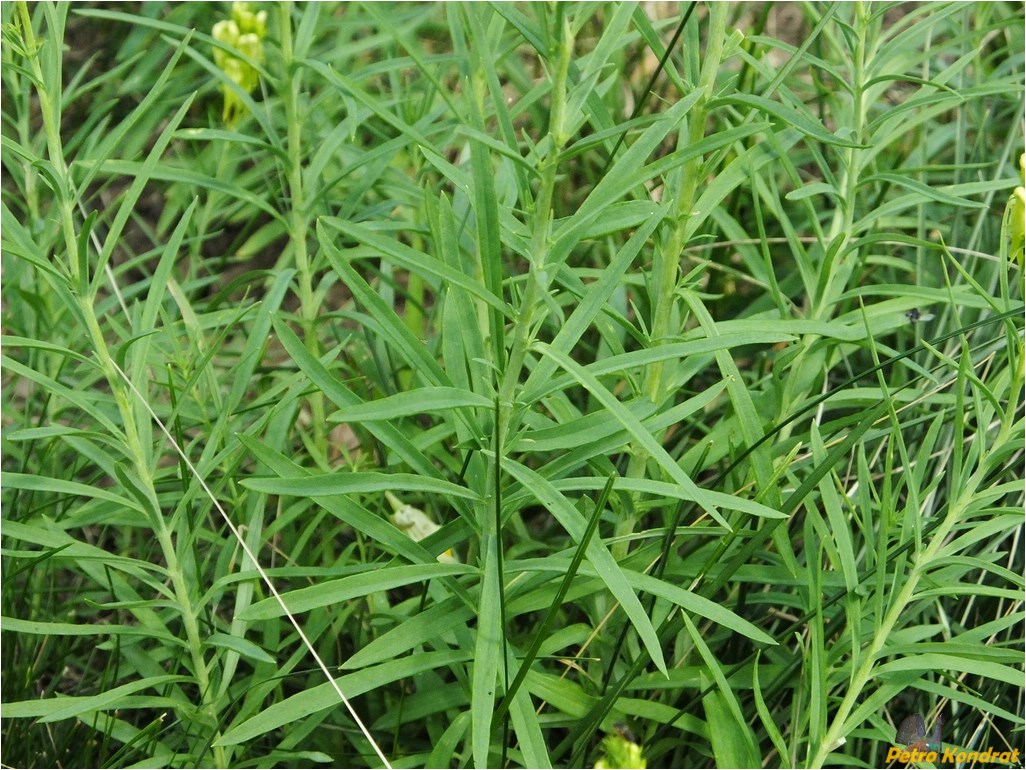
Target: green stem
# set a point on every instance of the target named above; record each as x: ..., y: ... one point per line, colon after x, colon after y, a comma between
x: 50, y: 111
x: 297, y: 220
x: 667, y: 260
x: 537, y: 278
x: 844, y: 215
x: 666, y: 266
x: 809, y: 365
x: 919, y: 567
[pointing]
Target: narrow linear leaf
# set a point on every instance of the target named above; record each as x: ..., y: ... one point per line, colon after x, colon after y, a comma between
x: 488, y: 654
x: 349, y: 483
x: 419, y: 401
x: 421, y: 628
x: 243, y: 647
x: 343, y: 397
x: 62, y: 487
x: 344, y: 589
x: 56, y: 709
x: 411, y: 259
x: 43, y: 628
x: 789, y: 116
x: 324, y: 696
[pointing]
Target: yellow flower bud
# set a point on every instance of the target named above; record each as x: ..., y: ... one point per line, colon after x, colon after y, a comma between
x: 620, y: 752
x: 244, y: 32
x: 1017, y: 224
x: 1014, y: 224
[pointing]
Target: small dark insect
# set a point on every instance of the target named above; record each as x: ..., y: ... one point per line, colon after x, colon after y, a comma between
x: 915, y: 315
x: 911, y: 730
x: 624, y: 732
x: 912, y: 733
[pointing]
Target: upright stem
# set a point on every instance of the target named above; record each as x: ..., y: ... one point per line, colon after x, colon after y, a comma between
x: 50, y: 110
x: 297, y: 219
x: 810, y: 363
x: 667, y: 263
x: 537, y: 278
x: 899, y: 603
x: 666, y: 266
x: 844, y: 214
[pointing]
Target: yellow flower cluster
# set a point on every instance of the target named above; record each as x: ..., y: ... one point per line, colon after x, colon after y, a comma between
x: 1015, y: 217
x: 245, y: 32
x: 620, y: 751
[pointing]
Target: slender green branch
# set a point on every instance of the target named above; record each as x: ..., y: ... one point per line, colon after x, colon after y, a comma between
x: 921, y: 564
x: 298, y: 219
x: 138, y: 455
x: 538, y: 279
x: 841, y: 225
x: 808, y: 364
x: 666, y: 268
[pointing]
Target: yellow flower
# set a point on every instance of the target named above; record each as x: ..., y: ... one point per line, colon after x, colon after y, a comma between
x: 620, y: 752
x: 244, y: 32
x: 1015, y: 217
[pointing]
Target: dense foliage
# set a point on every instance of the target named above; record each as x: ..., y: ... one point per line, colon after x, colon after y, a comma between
x: 593, y: 383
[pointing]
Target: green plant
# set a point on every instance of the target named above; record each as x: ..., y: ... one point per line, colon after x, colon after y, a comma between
x: 702, y: 344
